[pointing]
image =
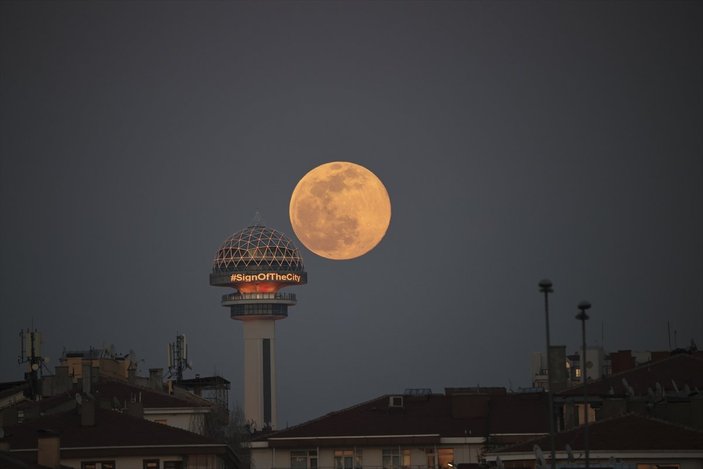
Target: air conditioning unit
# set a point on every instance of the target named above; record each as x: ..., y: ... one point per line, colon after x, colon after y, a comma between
x: 395, y: 401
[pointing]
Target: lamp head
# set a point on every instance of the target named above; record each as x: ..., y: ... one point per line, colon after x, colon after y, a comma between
x: 545, y: 286
x: 583, y: 306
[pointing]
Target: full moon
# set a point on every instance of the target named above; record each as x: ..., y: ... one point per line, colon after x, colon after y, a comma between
x: 340, y: 210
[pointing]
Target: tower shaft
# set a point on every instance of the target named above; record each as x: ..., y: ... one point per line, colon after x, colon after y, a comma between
x: 260, y: 372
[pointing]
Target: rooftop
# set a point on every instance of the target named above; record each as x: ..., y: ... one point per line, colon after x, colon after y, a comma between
x: 430, y: 417
x: 682, y: 369
x: 630, y: 432
x: 111, y: 429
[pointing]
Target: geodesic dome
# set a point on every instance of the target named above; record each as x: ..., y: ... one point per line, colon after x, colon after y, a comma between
x: 257, y: 248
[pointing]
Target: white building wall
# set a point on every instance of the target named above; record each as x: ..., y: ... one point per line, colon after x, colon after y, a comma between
x: 124, y: 461
x: 467, y: 451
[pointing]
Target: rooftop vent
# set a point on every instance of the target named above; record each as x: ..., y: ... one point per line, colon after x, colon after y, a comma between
x: 395, y: 401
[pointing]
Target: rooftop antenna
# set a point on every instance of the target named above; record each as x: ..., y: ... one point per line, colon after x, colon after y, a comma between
x: 178, y: 358
x: 539, y: 457
x: 629, y: 390
x: 258, y: 219
x: 30, y: 353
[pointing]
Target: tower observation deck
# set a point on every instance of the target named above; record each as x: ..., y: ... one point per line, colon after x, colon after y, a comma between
x: 257, y: 262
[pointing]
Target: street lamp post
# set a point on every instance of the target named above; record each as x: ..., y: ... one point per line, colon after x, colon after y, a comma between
x: 545, y: 286
x: 583, y: 317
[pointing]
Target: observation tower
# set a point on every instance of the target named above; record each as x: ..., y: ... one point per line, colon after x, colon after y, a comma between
x: 257, y: 262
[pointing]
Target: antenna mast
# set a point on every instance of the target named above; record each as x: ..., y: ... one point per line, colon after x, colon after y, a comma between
x: 178, y: 357
x: 30, y: 353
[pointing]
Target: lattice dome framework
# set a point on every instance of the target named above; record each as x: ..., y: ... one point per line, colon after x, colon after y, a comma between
x: 257, y: 248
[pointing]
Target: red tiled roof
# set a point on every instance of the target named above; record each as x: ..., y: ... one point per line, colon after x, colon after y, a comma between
x: 630, y: 432
x: 150, y: 398
x: 48, y: 403
x: 111, y: 429
x: 683, y: 369
x: 436, y: 415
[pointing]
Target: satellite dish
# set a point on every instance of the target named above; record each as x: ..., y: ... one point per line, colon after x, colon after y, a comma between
x: 569, y: 453
x: 539, y: 456
x: 589, y: 364
x: 499, y: 463
x: 35, y: 367
x: 628, y: 389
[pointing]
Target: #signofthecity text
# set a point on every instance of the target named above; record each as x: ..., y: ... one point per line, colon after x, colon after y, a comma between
x: 266, y: 277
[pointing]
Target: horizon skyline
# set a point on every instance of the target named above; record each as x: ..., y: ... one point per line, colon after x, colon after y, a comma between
x: 516, y: 140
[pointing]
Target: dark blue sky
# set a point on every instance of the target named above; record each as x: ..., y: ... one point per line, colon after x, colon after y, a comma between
x: 517, y: 140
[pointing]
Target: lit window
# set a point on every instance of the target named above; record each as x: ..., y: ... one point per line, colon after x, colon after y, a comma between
x: 347, y: 459
x: 151, y: 464
x: 98, y: 465
x: 445, y: 457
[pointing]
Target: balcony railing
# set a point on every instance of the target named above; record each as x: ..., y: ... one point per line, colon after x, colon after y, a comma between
x: 288, y: 298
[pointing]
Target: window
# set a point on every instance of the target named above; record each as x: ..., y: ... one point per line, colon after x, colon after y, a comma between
x: 406, y: 458
x: 173, y: 464
x: 445, y: 457
x: 151, y: 464
x: 304, y: 459
x: 391, y: 458
x: 98, y: 465
x: 347, y: 459
x: 395, y: 458
x: 429, y: 453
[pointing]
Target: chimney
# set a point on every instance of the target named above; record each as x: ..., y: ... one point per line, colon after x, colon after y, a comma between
x: 156, y: 380
x: 87, y: 377
x: 621, y: 360
x: 87, y: 412
x: 62, y: 380
x: 131, y: 374
x: 558, y: 376
x: 48, y: 449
